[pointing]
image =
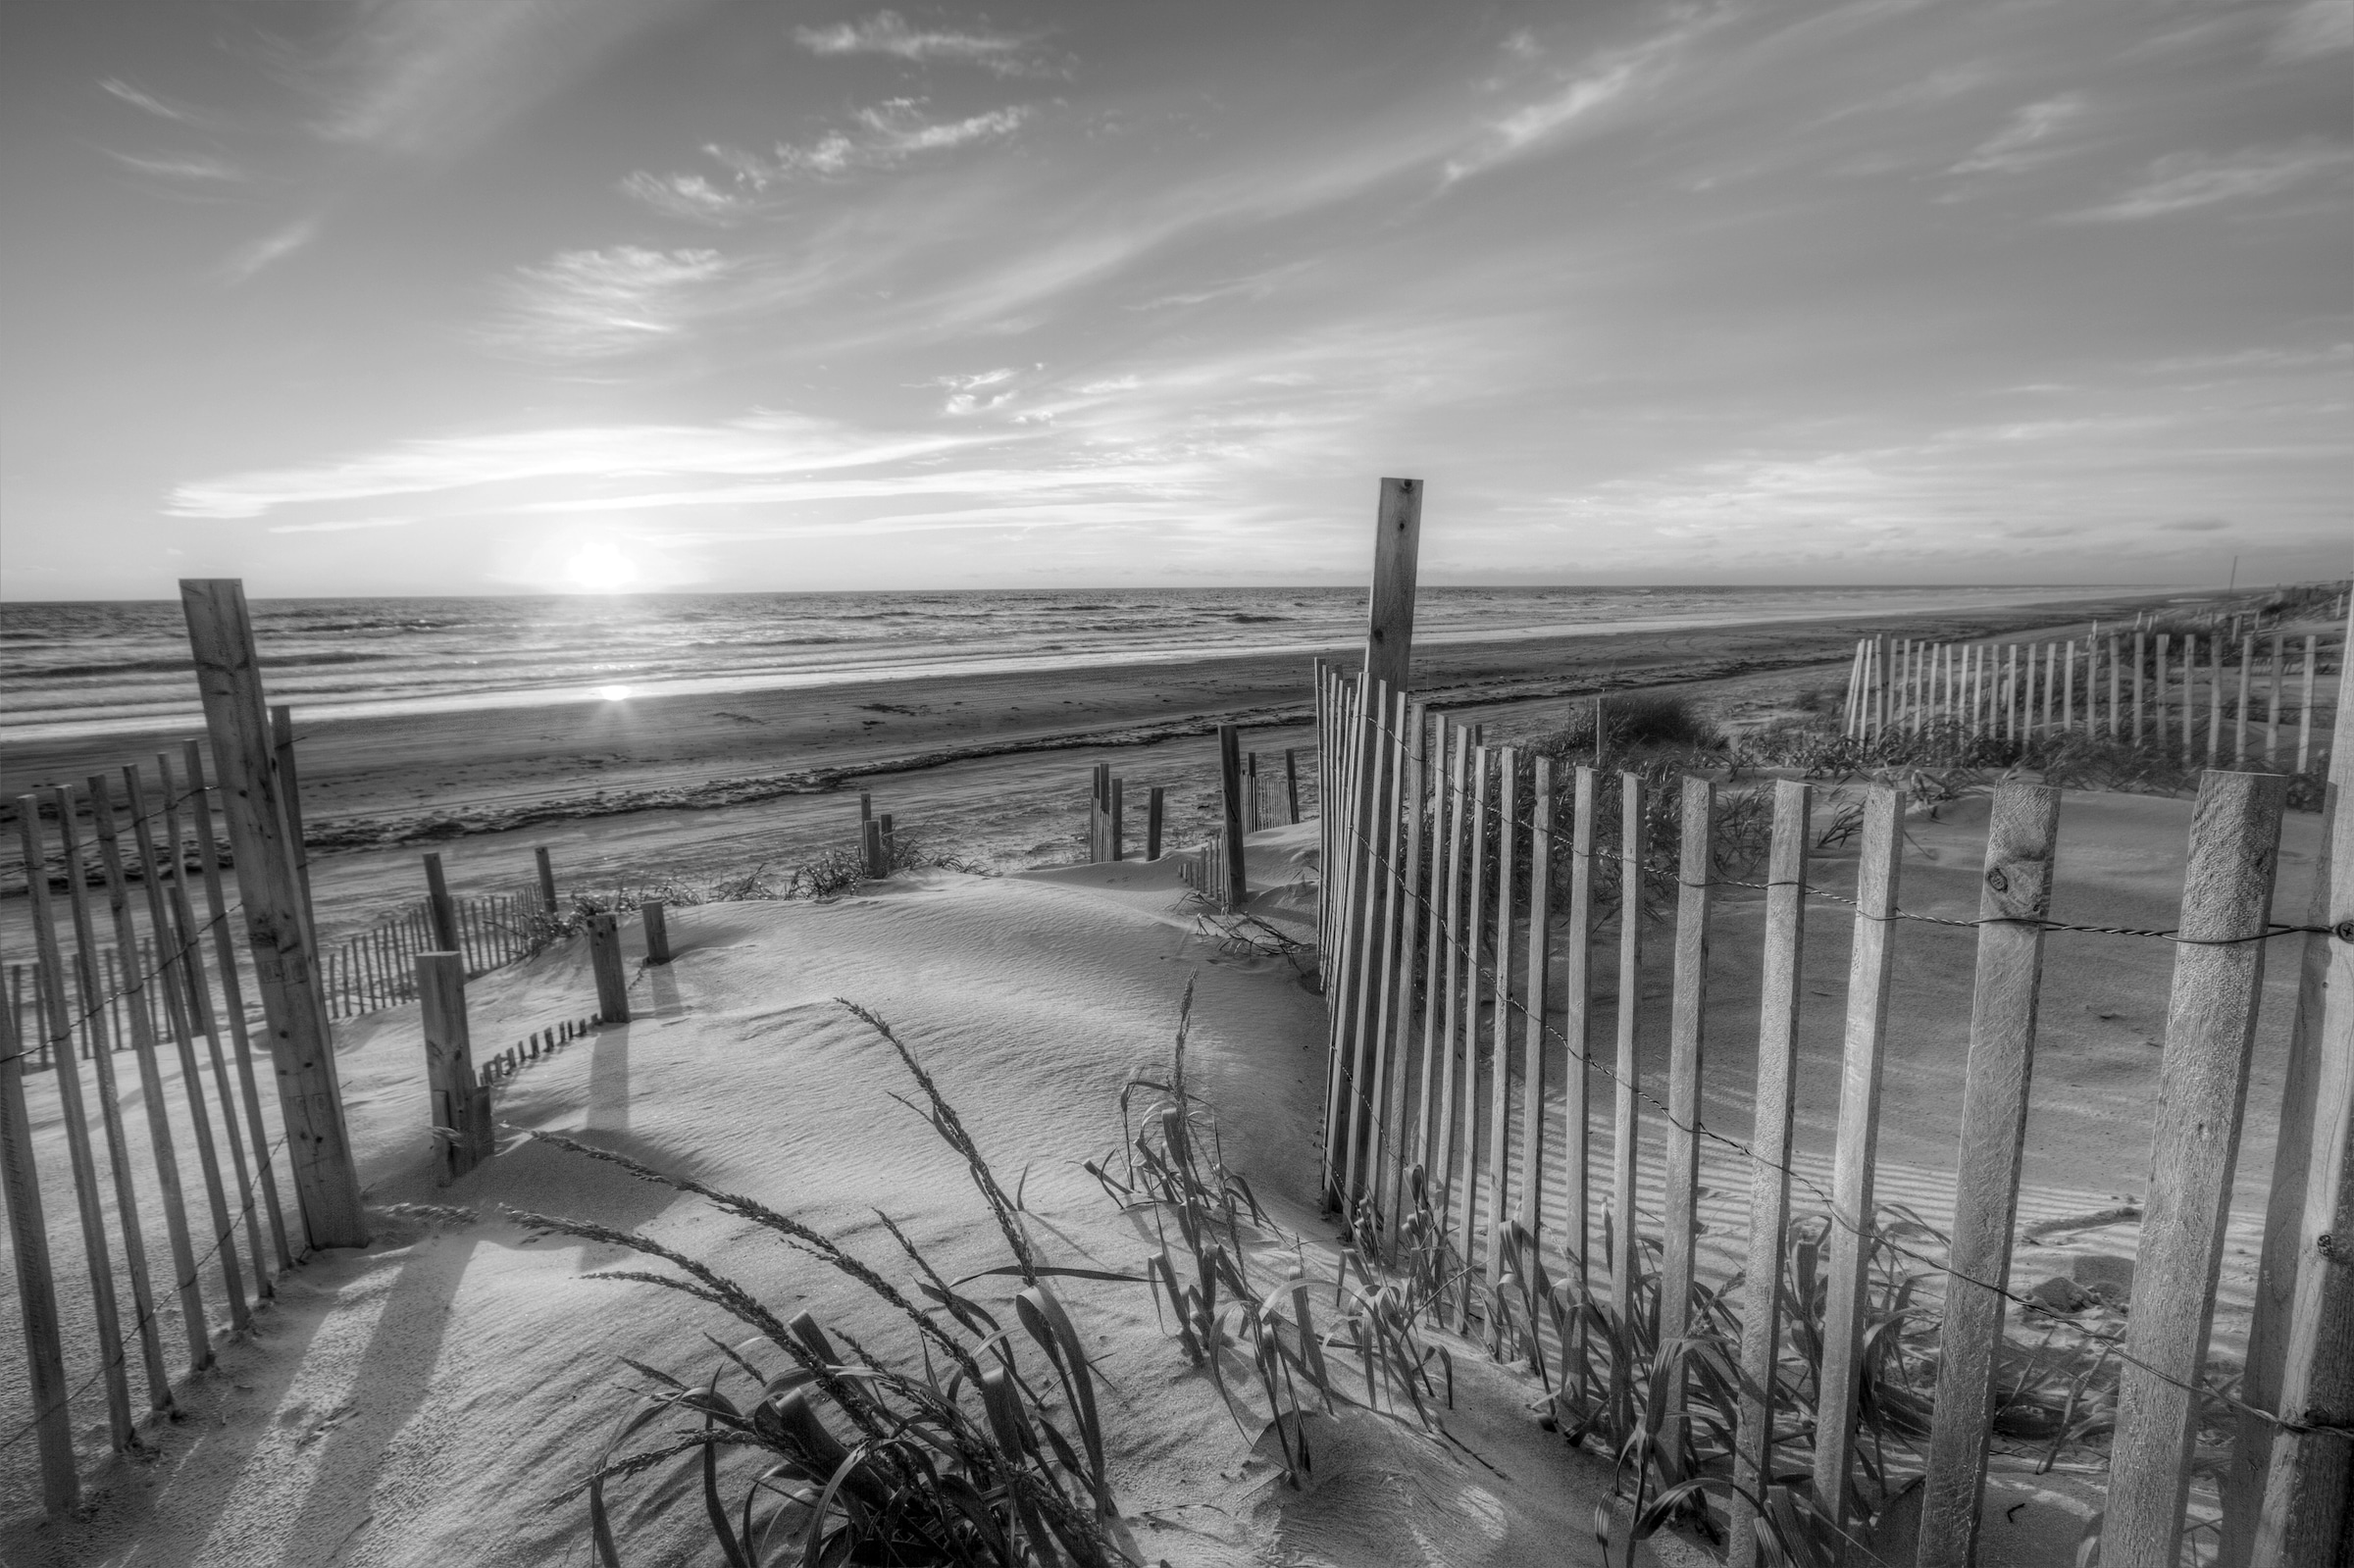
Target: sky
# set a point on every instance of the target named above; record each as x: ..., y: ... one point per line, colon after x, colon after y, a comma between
x: 495, y: 296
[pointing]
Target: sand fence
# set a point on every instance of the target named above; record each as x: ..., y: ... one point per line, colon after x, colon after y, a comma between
x: 1440, y: 932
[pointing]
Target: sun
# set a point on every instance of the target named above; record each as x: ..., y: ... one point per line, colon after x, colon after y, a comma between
x: 599, y: 568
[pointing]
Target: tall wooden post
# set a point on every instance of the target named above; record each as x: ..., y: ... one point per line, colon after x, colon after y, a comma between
x: 1153, y: 816
x: 1290, y: 784
x: 656, y: 918
x: 458, y: 1104
x: 1119, y: 813
x: 2202, y: 1088
x: 1230, y: 793
x: 612, y: 978
x: 445, y: 912
x: 547, y: 878
x: 301, y: 1043
x: 2306, y: 1370
x: 2015, y: 899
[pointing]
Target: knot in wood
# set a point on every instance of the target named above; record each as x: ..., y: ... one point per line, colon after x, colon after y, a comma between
x: 1997, y: 880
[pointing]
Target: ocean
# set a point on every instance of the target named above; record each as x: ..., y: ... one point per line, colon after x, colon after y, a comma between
x: 71, y: 669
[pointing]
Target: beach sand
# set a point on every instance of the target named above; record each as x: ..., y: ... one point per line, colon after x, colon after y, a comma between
x: 992, y: 769
x: 420, y: 1400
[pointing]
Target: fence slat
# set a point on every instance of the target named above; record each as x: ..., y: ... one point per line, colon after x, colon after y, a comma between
x: 2305, y: 1512
x: 49, y: 974
x: 1499, y: 1020
x: 232, y: 998
x: 2014, y: 898
x: 1392, y: 1194
x: 1363, y: 1098
x: 170, y: 981
x: 151, y: 1083
x: 1779, y: 990
x: 1869, y: 965
x: 1474, y: 923
x: 1532, y: 1034
x: 1577, y: 949
x: 36, y: 1290
x: 110, y: 1112
x: 1437, y: 969
x: 1687, y: 1010
x: 2202, y: 1088
x: 1348, y: 930
x: 1627, y: 1075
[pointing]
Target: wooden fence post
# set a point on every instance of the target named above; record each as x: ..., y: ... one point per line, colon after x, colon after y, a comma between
x: 1119, y: 813
x: 2015, y: 899
x: 50, y: 975
x: 1290, y: 784
x: 1625, y: 1115
x: 1869, y: 965
x: 1780, y: 989
x: 2301, y: 1355
x: 656, y: 918
x: 1153, y: 821
x: 2202, y: 1088
x: 2304, y: 714
x: 457, y: 1108
x: 289, y: 801
x: 437, y: 901
x: 1687, y: 1008
x: 547, y: 878
x: 612, y: 977
x: 1230, y: 788
x: 37, y: 1290
x: 310, y: 1099
x: 870, y: 842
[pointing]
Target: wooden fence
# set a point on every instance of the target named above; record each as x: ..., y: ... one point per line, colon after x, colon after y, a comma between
x: 378, y: 968
x: 2217, y: 699
x: 1446, y: 900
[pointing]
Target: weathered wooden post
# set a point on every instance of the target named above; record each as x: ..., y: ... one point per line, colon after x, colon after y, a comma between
x: 870, y: 841
x: 655, y: 916
x: 36, y: 1290
x: 2202, y: 1088
x: 438, y: 900
x: 2014, y: 900
x: 2301, y: 1349
x: 1251, y: 820
x: 547, y: 878
x: 612, y: 978
x: 459, y: 1106
x: 890, y: 847
x: 1290, y: 784
x: 1230, y: 787
x: 1119, y: 826
x: 302, y: 1045
x: 1152, y: 820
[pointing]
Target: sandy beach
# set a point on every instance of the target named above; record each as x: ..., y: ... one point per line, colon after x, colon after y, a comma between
x: 991, y: 769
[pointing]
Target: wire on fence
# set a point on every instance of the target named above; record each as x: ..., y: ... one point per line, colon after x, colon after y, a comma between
x: 1696, y: 1127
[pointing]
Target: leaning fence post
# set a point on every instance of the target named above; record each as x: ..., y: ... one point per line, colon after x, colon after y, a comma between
x: 604, y: 957
x: 2202, y: 1088
x: 1291, y: 783
x: 2309, y: 1377
x: 289, y: 797
x: 459, y: 1106
x: 2015, y: 899
x: 37, y: 1290
x: 658, y: 930
x: 1230, y: 787
x: 220, y: 638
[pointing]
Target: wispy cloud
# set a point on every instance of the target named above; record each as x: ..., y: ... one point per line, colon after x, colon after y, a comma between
x: 146, y: 101
x: 1600, y: 80
x: 972, y: 394
x: 758, y: 444
x: 2182, y: 180
x: 345, y: 525
x: 592, y: 304
x: 245, y: 262
x: 2316, y: 28
x: 2026, y: 139
x: 886, y: 32
x: 879, y: 136
x: 692, y: 195
x: 182, y: 165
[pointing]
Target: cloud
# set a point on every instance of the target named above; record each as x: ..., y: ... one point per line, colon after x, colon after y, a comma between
x: 183, y: 166
x: 147, y: 101
x: 882, y: 135
x: 2021, y: 144
x: 343, y: 524
x: 2316, y: 28
x: 1602, y: 79
x: 2196, y: 525
x: 276, y: 246
x: 429, y: 77
x: 885, y: 33
x: 2182, y: 180
x: 968, y: 394
x: 759, y: 445
x: 592, y: 304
